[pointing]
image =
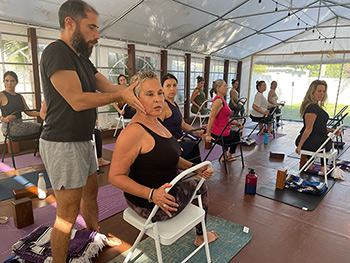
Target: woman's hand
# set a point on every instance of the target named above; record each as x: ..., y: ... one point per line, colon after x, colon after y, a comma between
x: 298, y: 149
x: 164, y: 200
x: 205, y: 172
x: 208, y: 138
x: 8, y: 118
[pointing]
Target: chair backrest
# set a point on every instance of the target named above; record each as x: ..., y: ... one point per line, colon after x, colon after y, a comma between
x: 229, y: 123
x: 242, y: 100
x: 177, y: 179
x: 335, y: 120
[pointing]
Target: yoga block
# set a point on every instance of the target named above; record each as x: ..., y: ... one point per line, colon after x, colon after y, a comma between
x: 31, y: 192
x: 208, y: 145
x: 22, y: 211
x: 15, y: 147
x: 277, y: 155
x: 281, y: 178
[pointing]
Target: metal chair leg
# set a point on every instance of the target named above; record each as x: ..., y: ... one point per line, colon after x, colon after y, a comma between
x: 13, y: 159
x: 3, y: 151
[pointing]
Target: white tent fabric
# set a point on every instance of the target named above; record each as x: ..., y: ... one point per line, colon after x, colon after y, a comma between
x: 230, y: 29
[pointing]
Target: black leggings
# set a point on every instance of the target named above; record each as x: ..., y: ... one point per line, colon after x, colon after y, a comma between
x: 233, y: 137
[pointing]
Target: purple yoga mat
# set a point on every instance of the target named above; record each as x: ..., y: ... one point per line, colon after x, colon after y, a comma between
x: 214, y: 155
x: 24, y: 160
x: 109, y: 146
x: 110, y: 201
x: 259, y: 139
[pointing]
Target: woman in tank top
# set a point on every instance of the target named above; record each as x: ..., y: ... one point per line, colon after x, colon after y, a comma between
x: 219, y: 117
x: 10, y: 101
x: 198, y: 97
x: 147, y: 157
x: 173, y: 121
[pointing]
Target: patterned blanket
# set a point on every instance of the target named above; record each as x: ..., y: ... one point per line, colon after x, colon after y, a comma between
x: 298, y: 184
x: 35, y: 247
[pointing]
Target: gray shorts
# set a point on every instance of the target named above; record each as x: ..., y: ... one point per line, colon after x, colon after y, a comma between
x: 68, y: 164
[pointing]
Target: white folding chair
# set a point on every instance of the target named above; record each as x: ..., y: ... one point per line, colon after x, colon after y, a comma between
x: 121, y: 120
x: 201, y: 117
x: 168, y: 231
x: 321, y: 152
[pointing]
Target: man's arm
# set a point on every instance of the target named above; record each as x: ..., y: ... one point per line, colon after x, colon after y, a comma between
x: 67, y: 83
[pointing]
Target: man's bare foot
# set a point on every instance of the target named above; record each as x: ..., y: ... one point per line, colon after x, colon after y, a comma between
x: 103, y: 162
x: 212, y: 236
x: 112, y: 241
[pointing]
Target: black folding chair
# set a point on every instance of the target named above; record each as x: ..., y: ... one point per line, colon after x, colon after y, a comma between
x: 265, y: 122
x: 187, y: 136
x: 11, y: 139
x: 220, y: 141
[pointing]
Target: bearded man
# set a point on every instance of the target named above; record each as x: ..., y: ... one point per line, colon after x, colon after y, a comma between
x: 70, y: 82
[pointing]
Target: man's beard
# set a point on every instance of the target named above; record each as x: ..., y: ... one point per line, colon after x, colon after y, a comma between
x: 80, y: 45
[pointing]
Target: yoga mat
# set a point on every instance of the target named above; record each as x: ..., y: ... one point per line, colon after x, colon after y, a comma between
x: 21, y: 161
x: 259, y: 139
x: 341, y: 152
x: 294, y: 198
x: 20, y: 181
x: 214, y: 155
x: 231, y: 240
x: 109, y: 146
x: 110, y: 201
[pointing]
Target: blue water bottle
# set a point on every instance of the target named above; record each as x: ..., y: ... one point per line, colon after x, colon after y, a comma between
x: 266, y: 137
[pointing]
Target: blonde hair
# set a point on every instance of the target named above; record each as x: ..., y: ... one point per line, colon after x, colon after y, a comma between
x: 309, y: 97
x: 141, y: 77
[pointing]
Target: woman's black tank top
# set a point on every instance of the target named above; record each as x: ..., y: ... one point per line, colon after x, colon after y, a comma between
x: 155, y: 168
x: 14, y: 103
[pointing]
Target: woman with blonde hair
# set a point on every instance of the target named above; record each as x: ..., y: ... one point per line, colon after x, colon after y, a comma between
x: 315, y: 118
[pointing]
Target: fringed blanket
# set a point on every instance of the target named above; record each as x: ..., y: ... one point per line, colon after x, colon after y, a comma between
x: 298, y: 184
x: 35, y: 247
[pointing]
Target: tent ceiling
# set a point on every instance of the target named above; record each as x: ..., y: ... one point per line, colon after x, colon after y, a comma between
x: 234, y: 29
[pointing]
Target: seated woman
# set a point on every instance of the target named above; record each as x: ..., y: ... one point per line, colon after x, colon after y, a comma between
x: 236, y: 107
x: 219, y: 117
x: 128, y: 112
x: 147, y: 158
x: 260, y: 113
x: 173, y: 121
x: 314, y: 131
x: 198, y: 97
x: 10, y: 101
x: 272, y: 100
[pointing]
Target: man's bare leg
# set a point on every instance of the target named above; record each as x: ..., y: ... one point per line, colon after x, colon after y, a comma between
x: 68, y: 202
x: 88, y: 205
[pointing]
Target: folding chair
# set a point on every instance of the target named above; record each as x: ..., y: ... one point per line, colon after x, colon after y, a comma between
x: 321, y: 152
x: 279, y: 114
x: 192, y: 138
x: 272, y: 121
x: 11, y: 139
x: 220, y: 141
x: 333, y: 122
x: 168, y: 231
x: 242, y: 101
x: 122, y: 120
x: 201, y: 117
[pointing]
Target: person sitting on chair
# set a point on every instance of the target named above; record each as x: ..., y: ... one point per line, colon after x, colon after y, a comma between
x: 198, y: 97
x: 173, y: 121
x: 315, y: 118
x: 234, y: 105
x: 147, y: 158
x: 272, y: 99
x: 128, y: 112
x: 219, y: 117
x: 260, y: 113
x: 10, y: 101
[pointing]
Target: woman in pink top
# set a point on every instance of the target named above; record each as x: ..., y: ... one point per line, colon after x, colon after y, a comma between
x: 219, y: 117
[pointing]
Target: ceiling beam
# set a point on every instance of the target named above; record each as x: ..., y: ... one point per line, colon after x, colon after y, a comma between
x: 121, y: 16
x: 204, y: 26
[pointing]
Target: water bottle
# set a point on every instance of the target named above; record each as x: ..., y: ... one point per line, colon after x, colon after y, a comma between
x: 266, y: 137
x: 41, y: 186
x: 250, y: 182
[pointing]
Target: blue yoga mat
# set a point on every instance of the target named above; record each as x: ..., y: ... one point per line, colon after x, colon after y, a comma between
x: 7, y: 185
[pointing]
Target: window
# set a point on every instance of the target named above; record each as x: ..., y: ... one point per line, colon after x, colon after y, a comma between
x: 176, y: 66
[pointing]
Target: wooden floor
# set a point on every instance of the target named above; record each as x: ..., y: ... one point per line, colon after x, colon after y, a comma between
x: 281, y: 233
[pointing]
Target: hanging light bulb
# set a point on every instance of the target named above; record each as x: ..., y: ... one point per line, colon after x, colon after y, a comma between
x: 259, y: 2
x: 330, y: 41
x: 325, y: 41
x: 288, y: 13
x: 313, y: 30
x: 298, y: 24
x: 276, y: 9
x: 319, y: 37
